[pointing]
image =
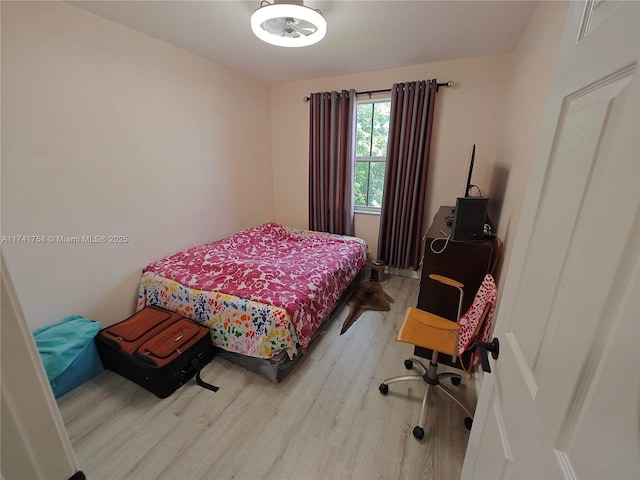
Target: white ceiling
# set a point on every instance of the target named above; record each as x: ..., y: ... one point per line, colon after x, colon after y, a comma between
x: 361, y: 35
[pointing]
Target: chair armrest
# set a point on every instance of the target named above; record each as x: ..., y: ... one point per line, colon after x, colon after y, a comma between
x: 446, y: 280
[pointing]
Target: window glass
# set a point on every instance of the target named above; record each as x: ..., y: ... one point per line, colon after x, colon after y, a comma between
x: 371, y: 150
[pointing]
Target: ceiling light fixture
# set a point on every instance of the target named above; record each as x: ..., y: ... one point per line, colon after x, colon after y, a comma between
x: 288, y: 23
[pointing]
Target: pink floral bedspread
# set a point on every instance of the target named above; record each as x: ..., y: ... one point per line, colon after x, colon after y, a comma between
x: 299, y: 272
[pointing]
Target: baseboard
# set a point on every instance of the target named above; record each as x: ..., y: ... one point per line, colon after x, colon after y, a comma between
x: 404, y: 272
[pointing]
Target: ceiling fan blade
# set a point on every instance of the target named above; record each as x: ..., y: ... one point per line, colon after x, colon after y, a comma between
x: 274, y: 26
x: 304, y: 24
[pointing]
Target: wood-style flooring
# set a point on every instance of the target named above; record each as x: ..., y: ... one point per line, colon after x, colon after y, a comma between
x: 327, y: 420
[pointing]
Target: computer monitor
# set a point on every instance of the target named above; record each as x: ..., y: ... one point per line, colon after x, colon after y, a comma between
x: 469, y: 218
x: 469, y: 184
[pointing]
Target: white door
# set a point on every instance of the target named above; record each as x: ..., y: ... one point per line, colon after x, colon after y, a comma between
x: 35, y: 444
x: 563, y: 400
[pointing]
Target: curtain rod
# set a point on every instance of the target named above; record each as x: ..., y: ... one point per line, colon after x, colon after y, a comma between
x: 384, y: 90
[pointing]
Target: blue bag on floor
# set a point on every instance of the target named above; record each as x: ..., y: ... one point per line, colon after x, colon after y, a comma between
x: 68, y: 352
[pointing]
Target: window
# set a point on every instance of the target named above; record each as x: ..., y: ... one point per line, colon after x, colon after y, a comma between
x: 372, y: 119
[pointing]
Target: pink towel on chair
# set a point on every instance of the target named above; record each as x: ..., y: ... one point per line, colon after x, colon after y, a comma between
x: 487, y: 295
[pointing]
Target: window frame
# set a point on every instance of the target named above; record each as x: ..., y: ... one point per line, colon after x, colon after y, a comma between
x: 366, y: 208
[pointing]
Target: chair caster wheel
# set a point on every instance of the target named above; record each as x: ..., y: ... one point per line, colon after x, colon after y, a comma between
x: 418, y: 432
x: 408, y: 364
x: 468, y: 421
x: 455, y: 381
x: 384, y: 388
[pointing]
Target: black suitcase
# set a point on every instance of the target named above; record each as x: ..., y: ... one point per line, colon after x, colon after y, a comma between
x: 157, y: 349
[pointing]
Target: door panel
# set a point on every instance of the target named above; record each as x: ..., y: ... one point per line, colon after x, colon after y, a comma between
x: 597, y: 252
x: 494, y: 461
x: 578, y: 138
x: 602, y: 401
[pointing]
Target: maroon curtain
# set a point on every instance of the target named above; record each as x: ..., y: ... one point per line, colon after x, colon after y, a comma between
x: 403, y: 198
x: 331, y: 161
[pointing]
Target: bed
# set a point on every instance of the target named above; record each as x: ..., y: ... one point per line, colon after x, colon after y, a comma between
x: 264, y: 292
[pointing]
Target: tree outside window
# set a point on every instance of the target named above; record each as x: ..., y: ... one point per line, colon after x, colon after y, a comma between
x: 371, y: 152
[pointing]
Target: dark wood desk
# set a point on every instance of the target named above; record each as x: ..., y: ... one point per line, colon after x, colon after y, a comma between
x: 467, y: 262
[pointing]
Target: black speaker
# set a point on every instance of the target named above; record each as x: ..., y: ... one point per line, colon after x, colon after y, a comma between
x: 469, y: 218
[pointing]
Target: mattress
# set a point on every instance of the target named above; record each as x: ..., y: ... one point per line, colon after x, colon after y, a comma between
x: 262, y: 291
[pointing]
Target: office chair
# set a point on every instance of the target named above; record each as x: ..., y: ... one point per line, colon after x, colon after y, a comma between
x: 424, y: 329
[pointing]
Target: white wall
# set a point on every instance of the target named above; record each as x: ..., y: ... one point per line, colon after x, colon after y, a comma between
x: 107, y: 131
x: 535, y: 59
x: 469, y: 113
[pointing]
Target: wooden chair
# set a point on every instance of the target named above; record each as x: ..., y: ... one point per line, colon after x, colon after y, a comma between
x: 424, y: 329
